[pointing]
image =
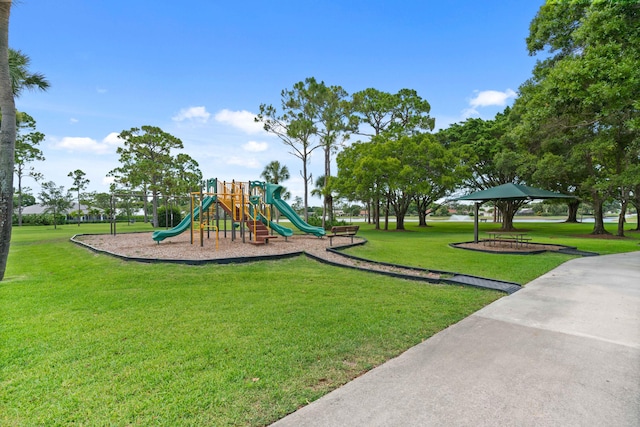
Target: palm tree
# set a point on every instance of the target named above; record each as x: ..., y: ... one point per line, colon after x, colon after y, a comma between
x: 323, y: 190
x: 21, y: 77
x: 7, y: 138
x: 14, y: 77
x: 275, y: 173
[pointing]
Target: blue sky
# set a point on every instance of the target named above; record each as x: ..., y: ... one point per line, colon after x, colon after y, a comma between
x: 200, y: 69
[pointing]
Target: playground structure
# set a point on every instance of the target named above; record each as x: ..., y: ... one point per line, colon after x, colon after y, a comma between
x: 247, y: 206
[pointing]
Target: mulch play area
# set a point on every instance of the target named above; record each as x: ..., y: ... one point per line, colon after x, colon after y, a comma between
x: 500, y: 247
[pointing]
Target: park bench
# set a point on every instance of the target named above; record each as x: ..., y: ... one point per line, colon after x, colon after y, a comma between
x: 343, y: 231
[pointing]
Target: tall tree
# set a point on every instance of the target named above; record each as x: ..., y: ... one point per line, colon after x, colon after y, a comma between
x: 27, y: 198
x: 275, y: 173
x: 489, y: 157
x: 402, y: 113
x: 182, y: 178
x: 80, y: 184
x: 7, y: 138
x: 55, y: 200
x: 296, y: 127
x: 437, y: 173
x: 335, y: 123
x: 635, y: 201
x: 361, y: 176
x: 413, y: 168
x: 585, y: 94
x: 146, y: 160
x: 323, y: 189
x: 378, y: 113
x: 26, y: 152
x: 21, y: 77
x: 14, y: 77
x: 375, y: 109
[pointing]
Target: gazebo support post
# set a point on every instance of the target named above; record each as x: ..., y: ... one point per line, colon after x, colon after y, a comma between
x: 475, y: 222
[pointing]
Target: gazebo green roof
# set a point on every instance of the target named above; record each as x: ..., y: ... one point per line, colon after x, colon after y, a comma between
x: 508, y: 192
x: 512, y: 191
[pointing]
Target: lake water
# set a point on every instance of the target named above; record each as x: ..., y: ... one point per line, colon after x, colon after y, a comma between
x: 467, y: 218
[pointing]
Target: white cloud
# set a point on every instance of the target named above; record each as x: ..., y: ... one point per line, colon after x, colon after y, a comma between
x: 487, y: 98
x: 113, y: 139
x: 101, y: 90
x: 73, y: 120
x: 468, y: 112
x: 255, y: 146
x: 108, y: 180
x: 243, y: 161
x: 88, y: 145
x: 243, y: 120
x: 196, y: 114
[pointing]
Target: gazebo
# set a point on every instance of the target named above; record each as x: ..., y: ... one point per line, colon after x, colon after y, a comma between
x: 508, y: 192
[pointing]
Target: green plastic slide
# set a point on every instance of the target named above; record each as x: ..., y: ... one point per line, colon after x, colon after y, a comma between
x: 281, y: 230
x: 184, y: 225
x: 286, y: 210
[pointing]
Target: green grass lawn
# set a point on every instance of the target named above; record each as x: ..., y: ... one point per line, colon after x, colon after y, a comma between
x: 429, y: 247
x: 88, y: 339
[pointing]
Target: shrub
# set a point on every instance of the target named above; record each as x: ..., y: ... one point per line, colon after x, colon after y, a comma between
x: 173, y: 218
x: 39, y: 219
x: 316, y: 221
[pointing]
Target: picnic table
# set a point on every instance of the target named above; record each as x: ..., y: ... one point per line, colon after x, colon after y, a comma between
x: 511, y: 237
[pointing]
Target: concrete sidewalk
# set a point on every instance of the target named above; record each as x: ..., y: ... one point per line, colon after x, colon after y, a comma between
x: 563, y: 351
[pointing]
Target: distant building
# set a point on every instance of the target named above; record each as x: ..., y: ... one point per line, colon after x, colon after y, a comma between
x: 87, y: 214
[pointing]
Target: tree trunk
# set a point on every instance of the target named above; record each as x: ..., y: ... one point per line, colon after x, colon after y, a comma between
x: 621, y: 219
x: 508, y: 210
x: 145, y: 204
x: 422, y: 218
x: 386, y: 214
x: 400, y: 221
x: 497, y: 213
x: 154, y: 205
x: 572, y: 215
x: 376, y: 212
x: 422, y: 204
x: 635, y: 201
x: 7, y: 138
x: 79, y: 209
x: 368, y: 211
x: 401, y: 203
x: 305, y: 178
x: 598, y: 217
x: 326, y: 210
x: 166, y: 213
x: 19, y: 199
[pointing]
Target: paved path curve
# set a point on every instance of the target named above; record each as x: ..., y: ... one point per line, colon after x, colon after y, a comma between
x: 563, y: 351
